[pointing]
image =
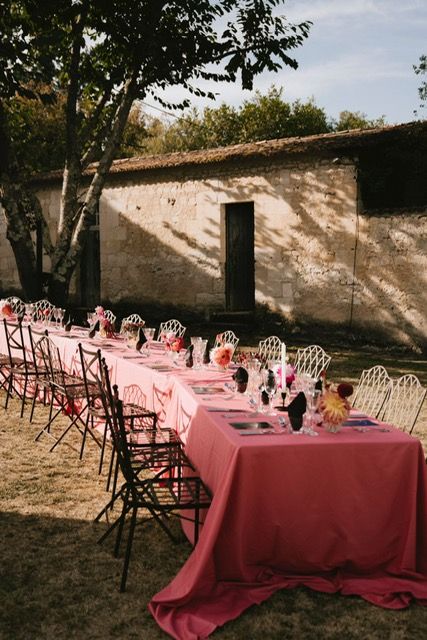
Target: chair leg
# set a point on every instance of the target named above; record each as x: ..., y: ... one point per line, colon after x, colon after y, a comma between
x: 128, y: 550
x: 104, y: 442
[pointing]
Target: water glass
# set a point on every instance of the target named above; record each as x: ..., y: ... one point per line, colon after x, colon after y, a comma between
x: 198, y: 352
x: 149, y: 334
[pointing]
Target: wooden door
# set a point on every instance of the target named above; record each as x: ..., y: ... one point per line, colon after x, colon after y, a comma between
x: 90, y: 268
x: 240, y: 264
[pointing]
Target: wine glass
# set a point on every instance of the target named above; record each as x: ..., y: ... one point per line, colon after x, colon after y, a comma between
x: 29, y: 312
x: 149, y: 334
x: 91, y: 318
x: 58, y: 315
x: 312, y: 396
x: 269, y: 385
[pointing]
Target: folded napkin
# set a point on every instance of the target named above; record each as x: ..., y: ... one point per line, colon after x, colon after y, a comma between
x: 296, y: 410
x: 93, y: 329
x: 141, y: 339
x: 241, y: 377
x: 189, y: 356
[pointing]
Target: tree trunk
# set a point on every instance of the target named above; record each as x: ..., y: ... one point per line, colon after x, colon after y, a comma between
x: 18, y: 205
x: 67, y: 260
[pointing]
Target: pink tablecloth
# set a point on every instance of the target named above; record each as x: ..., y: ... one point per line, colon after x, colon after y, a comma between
x: 341, y: 512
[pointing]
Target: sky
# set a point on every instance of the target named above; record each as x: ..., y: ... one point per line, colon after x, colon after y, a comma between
x: 359, y: 56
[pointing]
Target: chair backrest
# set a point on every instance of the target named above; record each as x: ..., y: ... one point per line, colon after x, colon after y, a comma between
x: 16, y: 348
x: 43, y: 310
x: 312, y: 360
x: 270, y: 349
x: 18, y: 306
x: 404, y: 402
x: 91, y: 366
x: 171, y: 326
x: 36, y: 340
x: 50, y: 355
x: 372, y: 390
x: 113, y: 411
x: 110, y: 316
x: 226, y: 337
x: 134, y: 319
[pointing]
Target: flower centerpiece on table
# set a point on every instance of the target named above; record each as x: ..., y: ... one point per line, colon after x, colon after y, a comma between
x: 106, y: 327
x: 334, y: 407
x: 222, y: 355
x: 131, y: 331
x: 172, y: 343
x: 289, y: 375
x: 6, y: 310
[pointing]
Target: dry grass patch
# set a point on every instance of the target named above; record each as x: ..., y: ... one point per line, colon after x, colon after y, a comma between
x: 58, y: 584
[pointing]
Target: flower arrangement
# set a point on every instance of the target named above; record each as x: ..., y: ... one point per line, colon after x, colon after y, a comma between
x: 172, y: 342
x: 222, y: 355
x: 132, y: 327
x: 334, y: 406
x: 290, y: 375
x: 106, y: 327
x: 6, y: 310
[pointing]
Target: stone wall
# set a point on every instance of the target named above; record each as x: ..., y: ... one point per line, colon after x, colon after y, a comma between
x: 318, y: 258
x: 390, y: 290
x: 167, y: 237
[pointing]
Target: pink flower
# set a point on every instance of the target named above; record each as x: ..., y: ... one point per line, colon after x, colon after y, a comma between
x: 222, y: 355
x: 177, y: 344
x: 100, y: 312
x: 7, y: 310
x: 290, y: 374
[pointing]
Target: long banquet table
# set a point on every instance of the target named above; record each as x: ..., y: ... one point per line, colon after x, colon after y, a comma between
x: 343, y: 512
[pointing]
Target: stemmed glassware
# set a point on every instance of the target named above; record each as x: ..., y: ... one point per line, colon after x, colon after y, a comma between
x: 269, y: 385
x: 29, y: 312
x: 199, y: 346
x: 149, y: 334
x: 312, y: 395
x: 58, y: 315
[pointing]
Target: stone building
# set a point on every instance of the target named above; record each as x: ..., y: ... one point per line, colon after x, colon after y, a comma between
x: 330, y: 228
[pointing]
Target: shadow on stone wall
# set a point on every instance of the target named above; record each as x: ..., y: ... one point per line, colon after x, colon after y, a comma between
x: 316, y: 262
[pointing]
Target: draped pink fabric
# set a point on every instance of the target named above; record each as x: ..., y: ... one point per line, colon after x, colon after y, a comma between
x: 343, y: 512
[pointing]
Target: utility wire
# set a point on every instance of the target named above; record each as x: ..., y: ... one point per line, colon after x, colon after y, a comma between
x: 168, y: 113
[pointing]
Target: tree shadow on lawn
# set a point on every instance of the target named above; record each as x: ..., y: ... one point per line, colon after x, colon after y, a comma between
x: 58, y: 583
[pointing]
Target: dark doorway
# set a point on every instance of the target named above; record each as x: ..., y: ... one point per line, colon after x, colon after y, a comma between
x: 90, y: 267
x: 240, y: 264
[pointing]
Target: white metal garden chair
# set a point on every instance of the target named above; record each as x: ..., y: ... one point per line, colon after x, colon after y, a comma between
x: 43, y: 310
x: 18, y: 306
x: 404, y: 402
x: 270, y: 349
x: 312, y: 361
x: 110, y: 316
x: 372, y: 390
x: 133, y: 319
x: 171, y: 326
x: 226, y: 337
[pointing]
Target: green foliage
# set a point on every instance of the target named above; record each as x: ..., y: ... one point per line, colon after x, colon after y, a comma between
x: 421, y: 69
x: 356, y: 120
x: 37, y: 131
x: 263, y: 117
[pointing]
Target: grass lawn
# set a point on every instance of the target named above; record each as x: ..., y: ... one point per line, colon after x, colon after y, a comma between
x: 56, y: 583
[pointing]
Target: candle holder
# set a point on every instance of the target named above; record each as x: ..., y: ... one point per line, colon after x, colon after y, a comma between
x: 281, y: 407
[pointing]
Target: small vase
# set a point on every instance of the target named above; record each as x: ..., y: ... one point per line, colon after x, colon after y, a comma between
x: 331, y: 427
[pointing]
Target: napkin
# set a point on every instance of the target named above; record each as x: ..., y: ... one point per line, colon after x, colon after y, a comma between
x: 241, y: 377
x: 141, y: 339
x: 189, y: 356
x: 296, y: 409
x: 93, y: 329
